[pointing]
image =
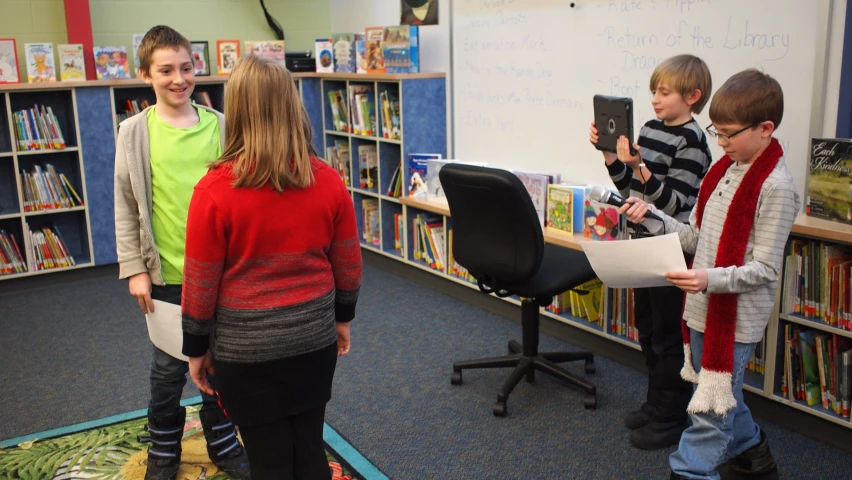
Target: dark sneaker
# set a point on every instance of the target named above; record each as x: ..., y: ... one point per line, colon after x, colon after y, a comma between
x: 755, y: 463
x: 223, y: 447
x: 639, y: 418
x: 164, y: 434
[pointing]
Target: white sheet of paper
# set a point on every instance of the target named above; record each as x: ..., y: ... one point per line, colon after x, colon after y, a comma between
x: 637, y: 263
x: 165, y: 329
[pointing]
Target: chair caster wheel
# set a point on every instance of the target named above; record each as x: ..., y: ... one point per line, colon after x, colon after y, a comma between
x: 590, y: 401
x: 456, y: 379
x: 499, y: 409
x: 590, y: 366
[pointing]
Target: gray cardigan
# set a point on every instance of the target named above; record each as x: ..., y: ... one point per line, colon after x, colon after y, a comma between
x: 134, y: 238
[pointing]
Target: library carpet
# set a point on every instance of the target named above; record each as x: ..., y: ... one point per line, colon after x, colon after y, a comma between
x: 108, y: 449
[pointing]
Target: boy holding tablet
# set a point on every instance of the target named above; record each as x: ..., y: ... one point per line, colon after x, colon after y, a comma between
x: 671, y: 159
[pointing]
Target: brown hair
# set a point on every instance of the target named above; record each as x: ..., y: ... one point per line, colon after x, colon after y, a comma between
x: 748, y: 98
x: 157, y: 38
x: 267, y: 131
x: 684, y: 74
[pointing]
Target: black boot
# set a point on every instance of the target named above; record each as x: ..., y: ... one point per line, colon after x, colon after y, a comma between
x: 164, y: 433
x: 755, y: 463
x: 223, y: 447
x: 666, y: 424
x: 639, y: 418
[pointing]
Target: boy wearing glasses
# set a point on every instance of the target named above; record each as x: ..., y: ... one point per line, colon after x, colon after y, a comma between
x: 672, y: 158
x: 737, y: 231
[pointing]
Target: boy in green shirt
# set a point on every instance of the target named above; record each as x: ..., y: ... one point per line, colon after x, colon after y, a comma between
x: 160, y: 155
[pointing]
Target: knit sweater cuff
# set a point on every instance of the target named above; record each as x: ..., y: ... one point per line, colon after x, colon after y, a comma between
x: 195, y: 345
x: 716, y: 280
x: 616, y: 168
x: 344, y: 312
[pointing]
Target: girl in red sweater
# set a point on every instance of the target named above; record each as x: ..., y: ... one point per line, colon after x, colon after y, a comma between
x: 272, y: 274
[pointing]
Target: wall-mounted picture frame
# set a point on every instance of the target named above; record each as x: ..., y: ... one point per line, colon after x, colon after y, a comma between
x: 200, y: 58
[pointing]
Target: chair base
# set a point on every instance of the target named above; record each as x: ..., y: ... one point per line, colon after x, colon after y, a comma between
x: 525, y: 366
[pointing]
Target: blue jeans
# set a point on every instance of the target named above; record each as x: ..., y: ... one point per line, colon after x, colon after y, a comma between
x: 168, y: 374
x: 712, y: 440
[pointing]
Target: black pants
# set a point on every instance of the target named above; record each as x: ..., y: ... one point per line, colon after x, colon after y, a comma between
x: 290, y: 448
x: 658, y: 318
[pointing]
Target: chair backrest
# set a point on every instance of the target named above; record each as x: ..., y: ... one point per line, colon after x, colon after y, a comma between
x: 497, y: 234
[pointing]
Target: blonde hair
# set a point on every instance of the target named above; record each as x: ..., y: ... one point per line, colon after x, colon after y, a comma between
x: 684, y: 74
x: 748, y: 98
x: 157, y: 38
x: 267, y: 131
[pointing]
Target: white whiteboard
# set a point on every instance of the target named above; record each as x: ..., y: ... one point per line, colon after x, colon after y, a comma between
x: 525, y: 71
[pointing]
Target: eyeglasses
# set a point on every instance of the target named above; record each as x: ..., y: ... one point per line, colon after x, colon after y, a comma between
x: 711, y: 130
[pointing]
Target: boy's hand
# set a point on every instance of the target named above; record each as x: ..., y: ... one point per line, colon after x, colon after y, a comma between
x: 634, y: 209
x: 140, y: 287
x: 343, y: 343
x: 594, y: 138
x: 690, y: 281
x: 623, y: 148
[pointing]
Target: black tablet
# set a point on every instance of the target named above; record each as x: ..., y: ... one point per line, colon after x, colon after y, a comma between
x: 613, y: 118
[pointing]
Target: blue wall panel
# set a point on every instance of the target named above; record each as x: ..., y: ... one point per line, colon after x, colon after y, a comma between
x: 94, y: 112
x: 312, y: 98
x: 424, y: 116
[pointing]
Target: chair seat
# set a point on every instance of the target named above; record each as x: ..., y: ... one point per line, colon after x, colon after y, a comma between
x: 561, y: 269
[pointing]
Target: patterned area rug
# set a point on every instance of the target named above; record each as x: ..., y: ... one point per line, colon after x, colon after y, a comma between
x: 109, y: 451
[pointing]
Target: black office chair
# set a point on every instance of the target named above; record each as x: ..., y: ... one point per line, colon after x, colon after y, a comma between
x: 498, y: 239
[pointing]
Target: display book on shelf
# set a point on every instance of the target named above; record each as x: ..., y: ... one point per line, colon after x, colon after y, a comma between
x: 44, y: 215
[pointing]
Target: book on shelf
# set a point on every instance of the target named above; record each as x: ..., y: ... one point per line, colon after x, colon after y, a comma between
x: 391, y: 127
x: 338, y: 156
x: 375, y: 56
x: 400, y: 45
x: 360, y: 53
x: 829, y: 194
x: 131, y: 107
x: 368, y: 166
x: 362, y: 106
x: 454, y: 269
x: 325, y: 56
x: 48, y: 250
x: 111, y: 62
x: 816, y: 369
x: 560, y: 207
x: 602, y: 221
x: 200, y: 57
x: 37, y: 128
x: 417, y: 173
x: 395, y: 185
x: 339, y: 111
x: 44, y: 189
x: 428, y: 230
x: 136, y: 40
x: 11, y: 260
x: 40, y: 65
x: 345, y: 59
x: 72, y: 65
x: 227, y: 54
x: 271, y: 49
x: 9, y: 61
x: 816, y: 282
x: 370, y: 229
x: 434, y: 190
x: 536, y: 184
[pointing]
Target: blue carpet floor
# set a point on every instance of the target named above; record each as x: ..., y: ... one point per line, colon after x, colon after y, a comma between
x: 79, y: 352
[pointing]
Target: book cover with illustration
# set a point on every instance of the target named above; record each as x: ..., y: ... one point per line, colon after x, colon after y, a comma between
x: 71, y: 62
x: 200, y: 58
x: 400, y: 45
x: 111, y: 63
x: 9, y: 61
x: 227, y: 54
x: 829, y: 194
x: 136, y: 40
x: 272, y: 49
x: 368, y: 166
x: 40, y: 64
x: 417, y: 170
x: 560, y: 207
x: 375, y: 56
x: 345, y: 58
x: 360, y: 53
x: 601, y: 221
x: 325, y: 57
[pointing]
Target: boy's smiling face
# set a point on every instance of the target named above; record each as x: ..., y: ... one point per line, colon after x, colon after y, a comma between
x: 172, y: 75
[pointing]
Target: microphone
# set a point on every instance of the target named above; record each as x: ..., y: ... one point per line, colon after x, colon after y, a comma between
x: 603, y: 195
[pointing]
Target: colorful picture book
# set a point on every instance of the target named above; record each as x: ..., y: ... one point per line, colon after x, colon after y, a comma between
x: 417, y: 173
x: 401, y: 49
x: 339, y: 111
x: 368, y: 167
x: 71, y: 62
x: 375, y: 56
x: 536, y: 184
x: 272, y: 49
x: 137, y: 40
x: 345, y: 58
x: 601, y: 221
x: 829, y: 194
x: 362, y: 106
x: 227, y: 54
x: 201, y: 58
x: 360, y: 53
x: 560, y: 208
x: 325, y: 57
x: 40, y: 65
x: 111, y: 63
x: 391, y: 127
x: 9, y: 61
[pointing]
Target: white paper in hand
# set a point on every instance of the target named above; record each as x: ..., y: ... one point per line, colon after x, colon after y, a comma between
x: 637, y: 263
x: 164, y: 328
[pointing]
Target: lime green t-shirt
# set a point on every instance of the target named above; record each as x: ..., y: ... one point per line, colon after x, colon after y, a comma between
x: 179, y: 158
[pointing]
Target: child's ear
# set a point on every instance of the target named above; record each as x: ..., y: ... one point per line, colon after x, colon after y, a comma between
x: 767, y: 128
x: 693, y: 97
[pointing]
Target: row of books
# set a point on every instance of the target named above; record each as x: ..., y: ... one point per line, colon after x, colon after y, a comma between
x: 817, y: 282
x: 133, y: 106
x: 354, y: 111
x: 48, y: 249
x: 393, y: 49
x: 395, y: 185
x: 428, y: 240
x: 398, y: 229
x: 38, y: 128
x: 817, y: 368
x: 371, y: 233
x: 11, y: 260
x: 45, y: 190
x: 337, y: 156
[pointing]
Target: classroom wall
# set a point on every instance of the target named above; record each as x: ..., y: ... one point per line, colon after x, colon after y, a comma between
x: 114, y: 21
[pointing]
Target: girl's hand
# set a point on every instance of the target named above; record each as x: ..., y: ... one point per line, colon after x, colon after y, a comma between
x: 343, y: 342
x: 199, y: 368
